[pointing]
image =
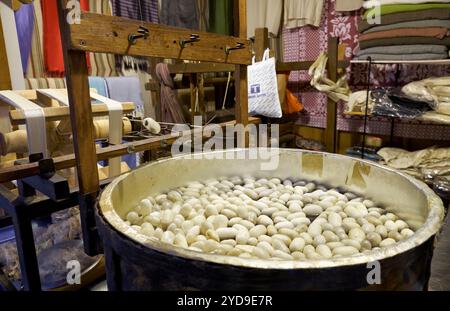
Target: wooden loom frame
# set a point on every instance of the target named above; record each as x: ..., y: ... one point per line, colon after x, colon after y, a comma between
x: 261, y: 43
x: 106, y: 34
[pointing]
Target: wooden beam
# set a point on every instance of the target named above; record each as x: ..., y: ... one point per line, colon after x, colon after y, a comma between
x: 68, y: 161
x: 200, y: 68
x: 153, y: 86
x: 331, y: 129
x: 58, y: 113
x: 109, y: 34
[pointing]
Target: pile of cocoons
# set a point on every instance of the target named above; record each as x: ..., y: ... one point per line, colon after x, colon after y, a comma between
x: 271, y: 219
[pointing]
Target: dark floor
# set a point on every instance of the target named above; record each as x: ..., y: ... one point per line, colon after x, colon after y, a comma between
x: 440, y: 267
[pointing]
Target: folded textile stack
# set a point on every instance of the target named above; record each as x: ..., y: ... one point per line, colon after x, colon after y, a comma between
x: 423, y: 164
x: 402, y: 30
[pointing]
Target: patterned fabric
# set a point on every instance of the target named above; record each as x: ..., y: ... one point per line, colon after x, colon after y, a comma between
x: 306, y: 43
x: 180, y: 13
x: 101, y: 64
x: 146, y: 10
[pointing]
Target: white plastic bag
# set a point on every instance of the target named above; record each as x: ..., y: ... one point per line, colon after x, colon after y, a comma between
x: 263, y: 98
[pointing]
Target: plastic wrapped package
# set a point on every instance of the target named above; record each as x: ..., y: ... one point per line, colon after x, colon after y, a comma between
x: 392, y: 102
x: 435, y: 91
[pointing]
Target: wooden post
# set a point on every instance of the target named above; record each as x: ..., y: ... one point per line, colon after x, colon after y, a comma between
x: 331, y: 129
x: 76, y: 71
x: 261, y: 42
x: 240, y: 14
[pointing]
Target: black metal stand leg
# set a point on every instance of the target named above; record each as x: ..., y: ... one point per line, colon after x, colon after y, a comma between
x: 114, y: 275
x: 391, y: 137
x: 29, y: 267
x: 91, y: 240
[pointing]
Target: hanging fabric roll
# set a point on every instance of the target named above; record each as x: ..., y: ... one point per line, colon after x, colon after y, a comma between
x: 25, y: 26
x: 180, y: 13
x: 54, y: 62
x: 221, y: 17
x: 203, y: 14
x: 143, y: 10
x: 302, y: 13
x: 170, y: 108
x: 264, y: 13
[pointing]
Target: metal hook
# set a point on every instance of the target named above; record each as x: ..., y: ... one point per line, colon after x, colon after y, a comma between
x: 239, y: 46
x: 143, y: 33
x: 192, y: 38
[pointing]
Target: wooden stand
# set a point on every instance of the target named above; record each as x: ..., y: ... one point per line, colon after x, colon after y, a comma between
x: 97, y: 33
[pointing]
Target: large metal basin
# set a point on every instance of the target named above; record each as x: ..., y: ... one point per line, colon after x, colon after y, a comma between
x: 134, y: 262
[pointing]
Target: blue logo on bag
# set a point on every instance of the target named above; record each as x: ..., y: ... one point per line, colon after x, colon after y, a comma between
x: 255, y: 89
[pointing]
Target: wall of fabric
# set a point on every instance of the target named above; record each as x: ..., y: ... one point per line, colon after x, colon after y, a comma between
x: 306, y: 43
x: 34, y: 58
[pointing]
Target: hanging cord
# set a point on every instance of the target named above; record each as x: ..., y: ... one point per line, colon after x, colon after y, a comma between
x: 226, y: 91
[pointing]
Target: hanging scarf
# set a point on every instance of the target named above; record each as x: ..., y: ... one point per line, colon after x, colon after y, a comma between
x: 170, y: 109
x: 25, y: 25
x: 54, y: 61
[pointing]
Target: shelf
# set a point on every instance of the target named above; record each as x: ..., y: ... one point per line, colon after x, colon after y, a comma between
x: 406, y: 62
x: 409, y: 120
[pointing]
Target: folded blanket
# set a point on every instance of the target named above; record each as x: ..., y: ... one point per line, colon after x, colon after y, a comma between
x: 348, y: 5
x: 406, y: 49
x: 394, y: 18
x: 411, y: 25
x: 434, y: 32
x: 374, y: 3
x: 404, y: 57
x: 403, y: 41
x: 398, y: 8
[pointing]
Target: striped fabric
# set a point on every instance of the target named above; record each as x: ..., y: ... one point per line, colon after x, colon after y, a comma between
x: 45, y: 83
x: 102, y: 65
x: 146, y: 10
x: 36, y: 67
x: 203, y: 14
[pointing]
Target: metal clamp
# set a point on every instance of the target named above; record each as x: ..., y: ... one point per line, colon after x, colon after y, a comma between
x: 239, y: 46
x: 143, y: 33
x: 192, y: 38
